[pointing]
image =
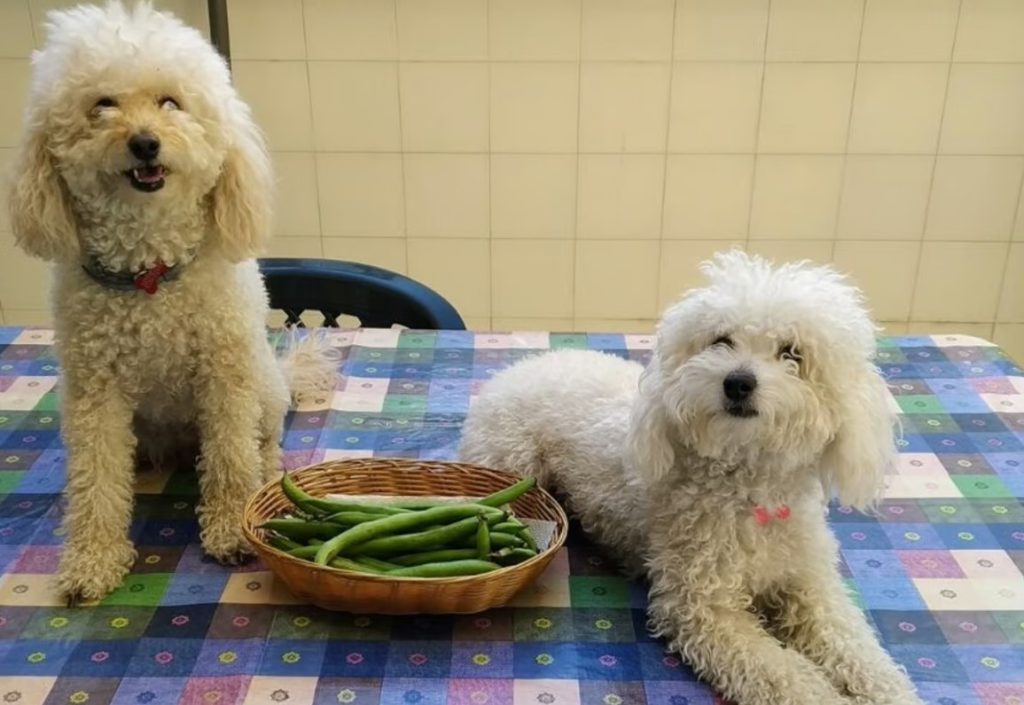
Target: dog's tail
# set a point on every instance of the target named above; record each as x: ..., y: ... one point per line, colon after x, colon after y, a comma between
x: 308, y: 362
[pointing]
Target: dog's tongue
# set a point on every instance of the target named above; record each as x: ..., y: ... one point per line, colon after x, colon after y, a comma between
x: 148, y: 174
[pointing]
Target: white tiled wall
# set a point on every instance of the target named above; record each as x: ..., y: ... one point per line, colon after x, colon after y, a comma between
x: 566, y: 163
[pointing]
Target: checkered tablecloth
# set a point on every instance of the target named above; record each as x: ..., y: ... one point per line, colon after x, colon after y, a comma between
x: 938, y: 569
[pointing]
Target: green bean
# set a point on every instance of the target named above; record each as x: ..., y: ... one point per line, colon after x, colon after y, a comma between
x: 483, y: 538
x: 511, y: 556
x: 508, y: 494
x: 319, y: 506
x: 500, y: 540
x: 282, y: 543
x: 371, y: 562
x: 444, y: 570
x: 440, y: 556
x: 301, y: 530
x: 420, y: 541
x: 385, y: 526
x: 346, y: 564
x: 509, y: 527
x: 351, y: 518
x: 307, y: 552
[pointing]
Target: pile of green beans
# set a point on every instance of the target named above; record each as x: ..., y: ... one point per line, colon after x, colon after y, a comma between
x: 404, y: 540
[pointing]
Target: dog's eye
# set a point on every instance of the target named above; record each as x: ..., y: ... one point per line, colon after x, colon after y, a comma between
x: 168, y: 103
x: 790, y: 352
x: 105, y: 102
x: 724, y: 340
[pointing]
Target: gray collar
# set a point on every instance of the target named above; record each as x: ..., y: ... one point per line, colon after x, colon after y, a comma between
x: 147, y: 280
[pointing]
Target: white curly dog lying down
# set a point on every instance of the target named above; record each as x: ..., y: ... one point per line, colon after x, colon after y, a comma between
x: 143, y: 177
x: 708, y: 472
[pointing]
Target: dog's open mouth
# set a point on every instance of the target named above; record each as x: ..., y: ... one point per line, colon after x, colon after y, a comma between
x: 740, y: 411
x: 147, y: 178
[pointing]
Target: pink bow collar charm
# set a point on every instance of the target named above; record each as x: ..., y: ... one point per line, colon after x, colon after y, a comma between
x: 763, y: 516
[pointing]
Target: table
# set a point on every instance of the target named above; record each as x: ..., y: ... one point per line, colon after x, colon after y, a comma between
x: 938, y: 569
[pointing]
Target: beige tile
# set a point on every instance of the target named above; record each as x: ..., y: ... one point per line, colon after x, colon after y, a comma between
x: 892, y: 328
x: 715, y: 107
x: 812, y: 30
x: 16, y: 40
x: 984, y: 110
x: 796, y: 197
x: 884, y: 197
x: 805, y: 107
x: 444, y: 107
x: 640, y: 30
x: 459, y: 270
x: 350, y: 29
x: 616, y: 278
x: 266, y: 29
x: 977, y: 330
x: 884, y: 271
x: 278, y: 92
x: 534, y: 30
x: 679, y: 269
x: 615, y: 325
x: 990, y: 30
x: 361, y: 195
x: 534, y: 107
x: 532, y: 278
x: 24, y: 280
x: 958, y: 281
x: 908, y: 30
x: 14, y: 77
x: 707, y: 196
x: 295, y: 247
x: 28, y: 317
x: 442, y: 30
x: 1009, y: 336
x: 6, y: 177
x: 1018, y: 228
x: 479, y: 324
x: 974, y: 198
x: 897, y: 108
x: 1011, y: 300
x: 721, y: 30
x: 388, y: 253
x: 533, y: 195
x: 623, y: 107
x: 620, y: 196
x: 819, y: 251
x: 296, y: 210
x: 446, y: 195
x: 355, y: 106
x: 531, y: 325
x: 192, y: 12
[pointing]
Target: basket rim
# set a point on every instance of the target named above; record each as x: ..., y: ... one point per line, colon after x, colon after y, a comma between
x: 557, y: 541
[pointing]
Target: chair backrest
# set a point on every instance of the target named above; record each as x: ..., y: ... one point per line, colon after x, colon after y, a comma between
x: 377, y: 297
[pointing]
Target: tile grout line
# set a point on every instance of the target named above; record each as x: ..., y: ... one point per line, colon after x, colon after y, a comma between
x: 757, y: 128
x: 849, y: 129
x: 490, y: 168
x: 579, y: 120
x: 664, y: 168
x: 312, y: 130
x: 401, y: 141
x: 935, y: 164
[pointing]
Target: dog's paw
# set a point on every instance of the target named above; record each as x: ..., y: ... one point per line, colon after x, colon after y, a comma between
x: 90, y: 573
x: 223, y: 541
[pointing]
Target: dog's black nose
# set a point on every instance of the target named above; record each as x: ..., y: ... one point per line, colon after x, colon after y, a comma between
x: 144, y: 146
x: 739, y: 385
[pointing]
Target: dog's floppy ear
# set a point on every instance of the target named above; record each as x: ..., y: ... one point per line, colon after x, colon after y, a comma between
x: 863, y: 450
x: 648, y: 444
x: 243, y: 192
x: 40, y: 210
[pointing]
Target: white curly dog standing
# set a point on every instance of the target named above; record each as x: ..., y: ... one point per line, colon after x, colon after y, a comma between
x: 143, y: 177
x: 708, y: 472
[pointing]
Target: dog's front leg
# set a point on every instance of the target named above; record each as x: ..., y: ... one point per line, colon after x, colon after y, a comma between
x: 230, y: 465
x: 728, y: 647
x: 100, y: 441
x: 817, y: 618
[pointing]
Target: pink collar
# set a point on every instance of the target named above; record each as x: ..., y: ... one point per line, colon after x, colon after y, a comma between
x: 764, y: 516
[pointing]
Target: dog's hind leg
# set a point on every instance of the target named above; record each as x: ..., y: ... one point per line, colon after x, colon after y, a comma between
x: 98, y: 433
x: 274, y: 407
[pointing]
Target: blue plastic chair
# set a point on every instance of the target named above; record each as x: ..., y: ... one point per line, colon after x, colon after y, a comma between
x: 377, y: 297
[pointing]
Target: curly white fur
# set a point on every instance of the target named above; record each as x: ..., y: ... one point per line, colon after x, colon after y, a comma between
x: 687, y: 486
x: 146, y: 374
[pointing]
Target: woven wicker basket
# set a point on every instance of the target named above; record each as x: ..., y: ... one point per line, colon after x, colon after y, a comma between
x: 334, y: 589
